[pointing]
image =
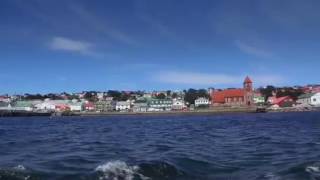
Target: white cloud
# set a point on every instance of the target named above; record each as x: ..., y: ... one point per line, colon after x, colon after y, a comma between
x: 191, y: 78
x: 61, y: 43
x: 66, y: 44
x: 252, y: 50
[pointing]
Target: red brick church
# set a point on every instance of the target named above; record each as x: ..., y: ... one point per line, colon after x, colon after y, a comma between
x: 234, y: 97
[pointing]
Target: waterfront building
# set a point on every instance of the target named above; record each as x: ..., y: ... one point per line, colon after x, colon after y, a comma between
x: 46, y: 106
x: 140, y: 105
x: 234, y: 97
x: 309, y: 99
x: 202, y: 102
x: 76, y: 106
x: 178, y: 104
x: 100, y: 96
x: 5, y: 99
x: 311, y: 89
x: 62, y: 107
x: 258, y: 98
x: 5, y: 105
x: 89, y: 106
x: 109, y: 98
x: 105, y: 106
x: 22, y: 106
x: 147, y: 95
x: 159, y: 104
x: 285, y: 101
x: 123, y: 106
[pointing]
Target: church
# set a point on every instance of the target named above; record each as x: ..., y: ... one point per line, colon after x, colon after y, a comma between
x: 234, y: 97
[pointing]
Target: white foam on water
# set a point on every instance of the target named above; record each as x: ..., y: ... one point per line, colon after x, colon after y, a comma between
x: 119, y: 170
x: 313, y: 169
x: 272, y: 176
x: 20, y: 168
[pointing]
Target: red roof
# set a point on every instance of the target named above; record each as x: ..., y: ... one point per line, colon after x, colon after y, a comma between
x: 280, y: 100
x: 247, y: 80
x: 62, y: 106
x: 219, y: 96
x: 89, y: 104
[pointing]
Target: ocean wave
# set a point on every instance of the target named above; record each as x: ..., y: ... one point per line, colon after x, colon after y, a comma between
x: 314, y: 169
x: 119, y: 170
x: 271, y: 176
x: 18, y: 172
x: 20, y: 168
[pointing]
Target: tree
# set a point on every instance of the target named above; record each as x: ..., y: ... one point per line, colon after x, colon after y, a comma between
x: 90, y: 97
x: 33, y: 97
x: 289, y: 91
x: 192, y: 94
x: 267, y: 92
x: 174, y: 95
x: 168, y: 93
x: 203, y: 93
x: 115, y: 94
x: 161, y: 96
x: 124, y: 96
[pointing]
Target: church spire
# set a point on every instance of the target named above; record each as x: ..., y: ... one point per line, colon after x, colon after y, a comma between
x: 247, y: 80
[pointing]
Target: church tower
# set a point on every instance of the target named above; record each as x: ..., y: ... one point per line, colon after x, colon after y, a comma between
x: 248, y: 91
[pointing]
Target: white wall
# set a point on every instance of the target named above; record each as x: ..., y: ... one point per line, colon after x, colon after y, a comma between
x: 315, y: 99
x: 75, y: 108
x: 201, y: 101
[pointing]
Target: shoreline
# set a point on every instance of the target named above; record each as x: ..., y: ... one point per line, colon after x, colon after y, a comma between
x: 215, y: 111
x: 164, y: 113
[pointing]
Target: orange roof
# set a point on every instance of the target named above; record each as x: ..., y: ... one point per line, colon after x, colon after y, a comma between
x: 247, y: 80
x: 219, y: 96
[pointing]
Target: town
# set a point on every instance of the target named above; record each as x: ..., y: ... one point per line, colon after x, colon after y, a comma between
x: 297, y: 98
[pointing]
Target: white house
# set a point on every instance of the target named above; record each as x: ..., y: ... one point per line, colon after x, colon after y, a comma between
x: 76, y: 106
x: 49, y: 105
x: 202, y: 102
x: 122, y: 106
x: 4, y: 99
x: 178, y: 104
x: 100, y: 95
x: 46, y: 105
x: 309, y: 99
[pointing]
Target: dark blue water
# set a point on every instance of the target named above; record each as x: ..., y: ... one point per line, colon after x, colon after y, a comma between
x: 238, y: 146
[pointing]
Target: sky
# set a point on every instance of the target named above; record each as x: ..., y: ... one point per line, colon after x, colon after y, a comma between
x: 78, y: 45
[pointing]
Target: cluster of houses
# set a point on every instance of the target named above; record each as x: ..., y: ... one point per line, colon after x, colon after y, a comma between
x: 141, y: 104
x: 150, y: 102
x: 310, y: 97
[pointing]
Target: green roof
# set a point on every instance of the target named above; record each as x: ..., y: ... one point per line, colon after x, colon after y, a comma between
x: 23, y: 104
x: 3, y: 104
x: 141, y: 101
x: 75, y: 103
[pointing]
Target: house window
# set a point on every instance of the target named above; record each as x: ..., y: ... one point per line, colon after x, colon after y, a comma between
x: 314, y: 99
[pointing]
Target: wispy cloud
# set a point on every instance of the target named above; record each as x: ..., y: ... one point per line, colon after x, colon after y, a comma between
x: 192, y: 78
x: 61, y: 43
x: 101, y: 25
x: 253, y: 50
x: 70, y: 45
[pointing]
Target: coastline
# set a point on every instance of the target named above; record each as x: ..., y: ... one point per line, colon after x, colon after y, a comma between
x: 165, y: 113
x: 158, y: 113
x: 212, y: 111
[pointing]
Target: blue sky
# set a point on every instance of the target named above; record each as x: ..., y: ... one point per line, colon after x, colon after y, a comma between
x: 75, y: 45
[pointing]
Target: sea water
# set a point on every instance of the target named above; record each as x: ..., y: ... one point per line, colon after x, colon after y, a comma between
x: 234, y: 146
